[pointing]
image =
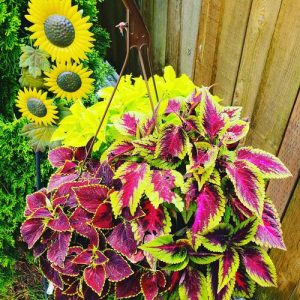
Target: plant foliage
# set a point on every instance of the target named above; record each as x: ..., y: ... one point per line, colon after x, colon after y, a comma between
x: 173, y: 208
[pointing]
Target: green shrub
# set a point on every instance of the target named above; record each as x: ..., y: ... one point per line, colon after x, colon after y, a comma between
x: 17, y: 178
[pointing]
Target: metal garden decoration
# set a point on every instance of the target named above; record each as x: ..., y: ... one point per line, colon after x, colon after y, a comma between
x: 174, y: 209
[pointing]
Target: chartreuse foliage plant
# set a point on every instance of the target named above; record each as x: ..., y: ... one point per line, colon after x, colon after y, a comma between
x: 79, y: 127
x: 173, y: 209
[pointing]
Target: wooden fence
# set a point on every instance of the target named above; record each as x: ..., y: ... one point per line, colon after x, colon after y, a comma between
x: 250, y: 50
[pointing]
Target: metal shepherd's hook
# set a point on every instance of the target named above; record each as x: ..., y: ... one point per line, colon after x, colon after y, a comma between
x: 137, y: 36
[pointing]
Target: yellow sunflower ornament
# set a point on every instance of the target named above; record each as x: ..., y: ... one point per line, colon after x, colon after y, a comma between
x: 60, y: 29
x: 35, y: 107
x: 70, y: 81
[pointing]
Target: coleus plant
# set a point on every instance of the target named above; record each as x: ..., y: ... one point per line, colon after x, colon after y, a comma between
x: 173, y: 210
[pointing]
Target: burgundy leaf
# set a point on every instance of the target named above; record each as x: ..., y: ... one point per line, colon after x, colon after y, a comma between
x: 122, y: 240
x: 58, y: 179
x: 94, y: 277
x: 61, y: 201
x: 84, y: 258
x: 244, y: 286
x: 151, y: 283
x: 69, y: 268
x: 51, y: 274
x: 248, y: 184
x: 58, y: 156
x: 269, y: 233
x: 105, y: 174
x: 117, y: 269
x: 128, y: 217
x: 66, y: 189
x: 129, y: 287
x: 69, y: 167
x: 60, y: 221
x: 210, y: 208
x: 99, y: 258
x: 119, y: 148
x: 32, y: 230
x: 153, y: 222
x: 58, y: 249
x: 103, y: 218
x: 91, y: 196
x: 80, y: 220
x: 41, y: 213
x: 35, y: 201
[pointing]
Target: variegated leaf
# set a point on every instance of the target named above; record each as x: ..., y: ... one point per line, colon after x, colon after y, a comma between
x: 248, y: 184
x: 210, y: 208
x: 161, y: 187
x: 235, y: 132
x: 259, y: 266
x: 269, y: 165
x: 269, y: 233
x: 228, y: 265
x: 194, y: 286
x: 134, y: 177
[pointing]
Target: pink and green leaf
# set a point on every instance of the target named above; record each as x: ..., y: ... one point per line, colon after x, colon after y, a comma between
x: 166, y: 250
x: 212, y: 283
x: 235, y: 132
x: 248, y: 184
x: 211, y: 117
x: 228, y: 266
x: 244, y: 233
x: 172, y: 143
x: 210, y: 208
x: 217, y: 238
x: 194, y: 286
x: 118, y: 148
x: 128, y: 124
x: 269, y: 165
x: 161, y: 187
x: 269, y: 233
x: 204, y: 257
x: 232, y: 112
x: 244, y: 286
x: 134, y: 177
x: 259, y: 266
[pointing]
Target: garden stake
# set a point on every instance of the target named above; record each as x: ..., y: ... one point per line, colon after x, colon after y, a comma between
x: 37, y: 157
x: 137, y: 36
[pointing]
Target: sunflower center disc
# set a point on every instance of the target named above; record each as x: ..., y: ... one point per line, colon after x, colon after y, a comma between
x: 69, y: 81
x: 37, y: 107
x: 59, y: 31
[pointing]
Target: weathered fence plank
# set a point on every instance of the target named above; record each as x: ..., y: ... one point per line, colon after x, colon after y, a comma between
x: 232, y: 35
x: 289, y: 153
x: 280, y: 81
x: 189, y: 30
x: 173, y: 33
x: 259, y: 34
x: 207, y: 42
